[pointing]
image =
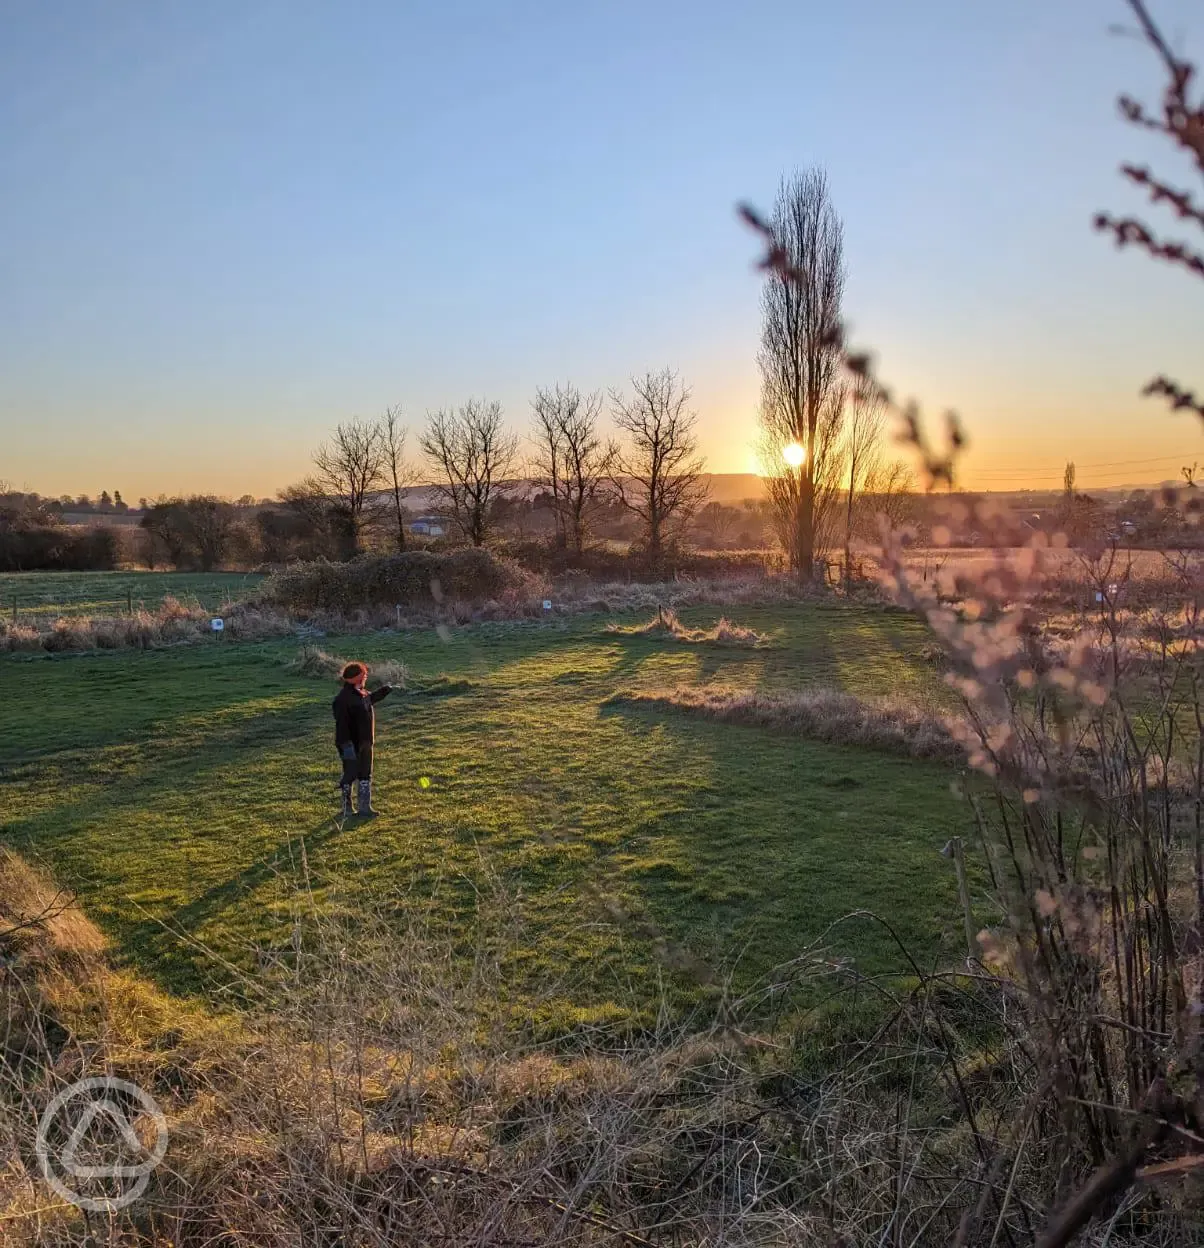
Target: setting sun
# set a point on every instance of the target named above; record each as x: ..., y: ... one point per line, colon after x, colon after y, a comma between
x: 794, y: 454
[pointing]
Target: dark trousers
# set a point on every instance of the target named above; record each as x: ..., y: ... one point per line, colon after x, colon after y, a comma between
x: 359, y: 767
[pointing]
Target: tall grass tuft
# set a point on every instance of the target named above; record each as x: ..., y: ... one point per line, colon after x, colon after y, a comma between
x: 170, y: 623
x: 829, y: 715
x: 666, y: 624
x: 313, y: 661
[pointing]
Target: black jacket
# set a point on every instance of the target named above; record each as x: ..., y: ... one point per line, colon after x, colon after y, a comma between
x: 354, y: 718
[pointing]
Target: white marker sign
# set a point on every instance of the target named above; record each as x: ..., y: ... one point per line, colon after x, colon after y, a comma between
x: 547, y: 604
x: 217, y: 625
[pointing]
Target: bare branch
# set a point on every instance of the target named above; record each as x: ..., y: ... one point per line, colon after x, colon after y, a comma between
x: 572, y: 461
x: 1180, y: 398
x: 1160, y: 193
x: 399, y: 472
x: 350, y: 472
x: 476, y: 460
x: 1128, y: 230
x: 1181, y: 121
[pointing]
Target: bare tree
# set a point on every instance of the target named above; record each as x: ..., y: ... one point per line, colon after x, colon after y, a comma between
x: 716, y: 522
x: 476, y: 460
x: 350, y: 472
x: 862, y: 442
x: 800, y: 359
x: 888, y: 496
x: 397, y: 469
x: 572, y: 460
x: 308, y: 525
x: 197, y: 532
x: 547, y: 462
x: 821, y: 471
x: 658, y: 474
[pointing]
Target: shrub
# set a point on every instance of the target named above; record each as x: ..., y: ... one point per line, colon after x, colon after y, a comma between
x: 202, y: 532
x: 415, y: 577
x: 19, y: 637
x: 59, y: 548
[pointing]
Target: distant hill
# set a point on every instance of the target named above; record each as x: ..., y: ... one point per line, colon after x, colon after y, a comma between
x: 731, y: 488
x: 734, y: 487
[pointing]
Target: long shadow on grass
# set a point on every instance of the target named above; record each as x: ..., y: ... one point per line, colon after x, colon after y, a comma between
x: 171, y: 768
x: 809, y: 661
x: 163, y: 946
x: 91, y: 701
x: 777, y: 838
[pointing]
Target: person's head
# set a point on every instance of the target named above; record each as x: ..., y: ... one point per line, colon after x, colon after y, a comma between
x: 355, y: 674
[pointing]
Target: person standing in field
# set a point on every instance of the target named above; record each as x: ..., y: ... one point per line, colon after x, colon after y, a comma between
x: 355, y: 733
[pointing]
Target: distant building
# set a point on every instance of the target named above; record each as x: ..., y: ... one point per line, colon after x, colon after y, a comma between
x: 428, y: 526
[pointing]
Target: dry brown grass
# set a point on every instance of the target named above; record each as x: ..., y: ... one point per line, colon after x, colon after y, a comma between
x: 362, y: 1098
x: 171, y: 623
x: 666, y: 624
x: 175, y: 623
x: 37, y: 917
x: 822, y: 714
x: 313, y: 661
x: 1068, y: 580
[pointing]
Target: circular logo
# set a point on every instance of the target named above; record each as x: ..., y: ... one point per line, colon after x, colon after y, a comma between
x: 88, y: 1146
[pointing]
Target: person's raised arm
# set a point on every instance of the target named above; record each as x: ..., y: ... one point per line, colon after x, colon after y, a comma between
x: 382, y: 692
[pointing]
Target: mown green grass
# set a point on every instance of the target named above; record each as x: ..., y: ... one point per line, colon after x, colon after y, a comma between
x: 622, y: 849
x: 46, y: 595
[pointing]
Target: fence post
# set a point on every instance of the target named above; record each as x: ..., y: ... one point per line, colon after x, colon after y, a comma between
x: 954, y: 850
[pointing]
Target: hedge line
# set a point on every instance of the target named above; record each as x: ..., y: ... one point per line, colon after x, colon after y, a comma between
x: 414, y: 578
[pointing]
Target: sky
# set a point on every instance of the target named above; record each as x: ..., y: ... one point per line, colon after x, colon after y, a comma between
x: 225, y: 227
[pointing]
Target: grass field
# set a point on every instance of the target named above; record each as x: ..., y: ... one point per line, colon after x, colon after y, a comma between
x: 46, y: 595
x: 175, y: 789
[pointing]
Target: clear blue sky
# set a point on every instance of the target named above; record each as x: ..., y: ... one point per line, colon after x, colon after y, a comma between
x: 225, y: 226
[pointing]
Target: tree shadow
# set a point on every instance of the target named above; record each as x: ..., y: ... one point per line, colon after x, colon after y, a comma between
x: 821, y: 831
x: 164, y: 947
x: 172, y: 766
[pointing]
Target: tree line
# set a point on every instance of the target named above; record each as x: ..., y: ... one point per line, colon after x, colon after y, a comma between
x: 472, y: 464
x: 588, y: 456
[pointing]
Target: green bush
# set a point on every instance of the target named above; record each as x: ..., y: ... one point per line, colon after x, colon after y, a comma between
x: 414, y: 578
x: 59, y: 548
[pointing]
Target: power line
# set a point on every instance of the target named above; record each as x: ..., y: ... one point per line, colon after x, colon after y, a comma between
x: 1125, y: 463
x: 1049, y: 483
x: 1116, y: 475
x: 1116, y: 463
